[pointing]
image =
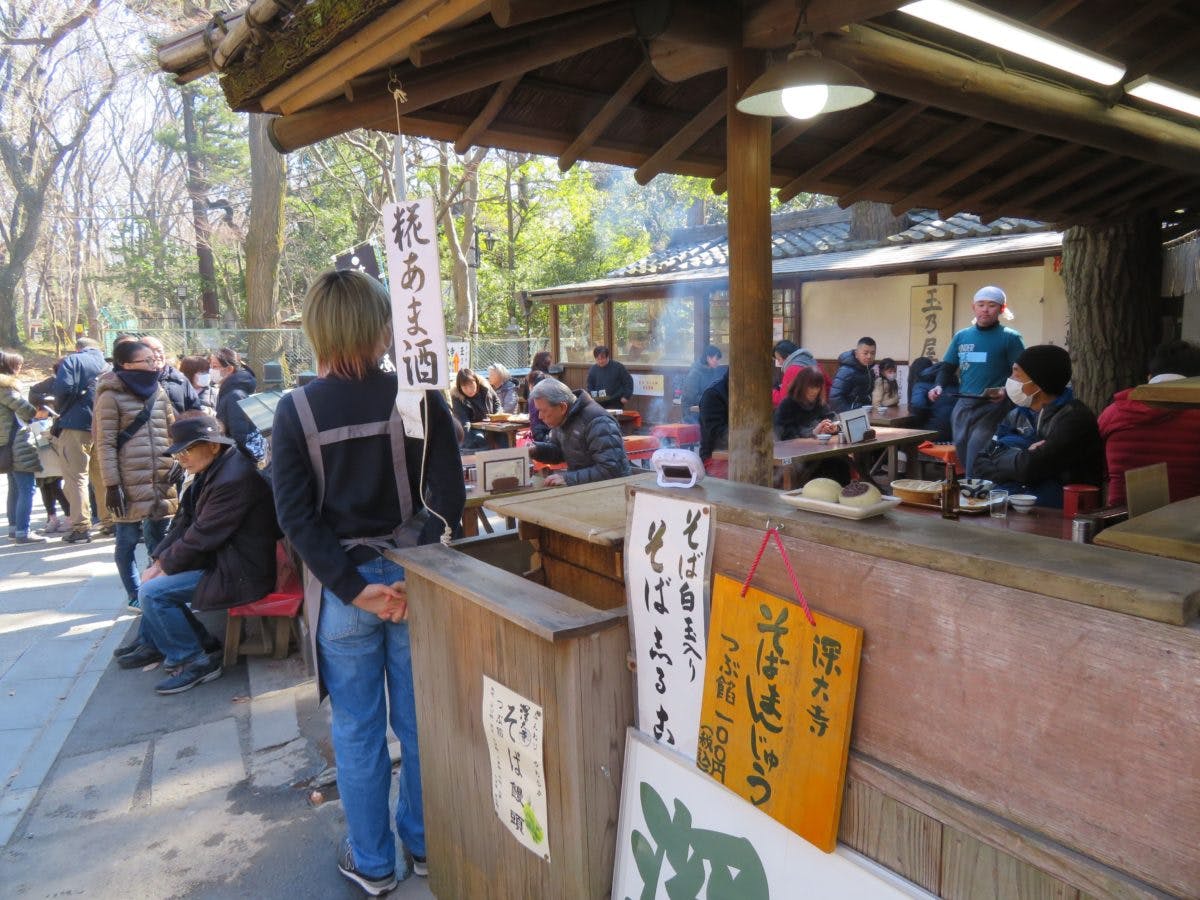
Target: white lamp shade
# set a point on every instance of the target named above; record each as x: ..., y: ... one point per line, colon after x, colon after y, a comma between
x: 794, y: 89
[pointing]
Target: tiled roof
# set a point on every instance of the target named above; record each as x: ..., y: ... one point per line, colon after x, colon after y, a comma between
x: 812, y: 232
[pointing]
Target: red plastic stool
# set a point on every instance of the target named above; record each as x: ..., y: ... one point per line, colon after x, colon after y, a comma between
x: 282, y: 605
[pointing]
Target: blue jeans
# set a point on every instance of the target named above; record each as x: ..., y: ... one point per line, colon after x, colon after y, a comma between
x: 166, y: 621
x: 20, y: 501
x: 357, y: 651
x: 152, y: 531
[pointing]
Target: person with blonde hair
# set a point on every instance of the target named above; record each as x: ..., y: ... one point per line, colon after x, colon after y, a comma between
x: 349, y: 484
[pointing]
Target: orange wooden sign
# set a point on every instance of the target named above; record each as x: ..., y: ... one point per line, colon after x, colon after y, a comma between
x: 778, y: 702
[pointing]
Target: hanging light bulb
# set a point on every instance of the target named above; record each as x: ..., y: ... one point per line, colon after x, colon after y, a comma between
x: 804, y: 86
x: 805, y: 101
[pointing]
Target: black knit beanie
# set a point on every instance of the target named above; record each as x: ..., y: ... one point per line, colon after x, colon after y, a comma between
x: 1048, y: 366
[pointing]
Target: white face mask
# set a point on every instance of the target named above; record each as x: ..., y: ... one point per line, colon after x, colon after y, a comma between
x: 1015, y: 393
x: 203, y: 379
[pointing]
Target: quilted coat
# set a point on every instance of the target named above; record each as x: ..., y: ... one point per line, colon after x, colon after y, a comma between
x: 1139, y: 435
x: 15, y: 413
x: 589, y: 441
x: 141, y: 469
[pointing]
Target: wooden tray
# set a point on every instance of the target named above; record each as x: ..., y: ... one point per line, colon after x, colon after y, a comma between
x: 840, y: 510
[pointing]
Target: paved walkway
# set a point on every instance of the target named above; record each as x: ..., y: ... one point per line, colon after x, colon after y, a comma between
x: 109, y: 790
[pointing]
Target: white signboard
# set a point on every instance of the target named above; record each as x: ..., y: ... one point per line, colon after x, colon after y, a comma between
x: 513, y: 725
x: 459, y: 353
x: 679, y: 826
x: 418, y: 326
x: 667, y: 555
x: 648, y: 385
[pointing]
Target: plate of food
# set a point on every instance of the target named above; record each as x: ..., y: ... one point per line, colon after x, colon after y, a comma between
x: 857, y: 500
x: 498, y: 417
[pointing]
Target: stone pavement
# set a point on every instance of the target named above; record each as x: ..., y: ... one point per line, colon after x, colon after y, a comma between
x: 109, y: 790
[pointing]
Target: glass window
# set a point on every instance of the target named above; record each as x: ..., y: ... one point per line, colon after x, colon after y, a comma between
x: 655, y: 331
x: 783, y: 317
x: 580, y: 327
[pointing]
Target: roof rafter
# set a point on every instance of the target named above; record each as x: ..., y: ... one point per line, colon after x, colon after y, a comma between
x: 699, y: 125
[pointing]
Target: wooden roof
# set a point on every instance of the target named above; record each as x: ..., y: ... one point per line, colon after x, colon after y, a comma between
x: 955, y: 126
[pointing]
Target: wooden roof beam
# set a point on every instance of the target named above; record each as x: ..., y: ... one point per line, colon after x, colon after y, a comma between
x: 976, y: 163
x: 699, y: 125
x: 1100, y: 187
x: 377, y: 109
x: 508, y: 13
x: 1186, y: 41
x: 783, y: 136
x: 380, y: 41
x: 1053, y: 13
x: 860, y: 144
x: 970, y: 202
x: 612, y: 107
x: 1145, y: 12
x: 927, y: 150
x: 1151, y: 189
x: 487, y: 115
x: 1053, y: 185
x: 927, y: 75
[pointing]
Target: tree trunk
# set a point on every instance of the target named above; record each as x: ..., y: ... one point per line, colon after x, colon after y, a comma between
x: 198, y: 192
x: 264, y: 241
x: 1113, y: 276
x: 874, y: 222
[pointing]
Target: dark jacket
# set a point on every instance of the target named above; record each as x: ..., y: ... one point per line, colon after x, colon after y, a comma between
x: 589, y: 441
x: 225, y: 526
x: 695, y: 383
x: 360, y: 486
x: 794, y: 420
x: 474, y: 409
x: 851, y: 385
x: 1136, y: 434
x: 614, y: 379
x: 238, y: 386
x: 1072, y: 454
x: 179, y: 389
x: 935, y: 415
x: 15, y: 414
x: 75, y: 388
x: 507, y: 395
x: 714, y: 417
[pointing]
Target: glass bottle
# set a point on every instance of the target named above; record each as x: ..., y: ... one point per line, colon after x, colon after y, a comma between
x: 950, y: 491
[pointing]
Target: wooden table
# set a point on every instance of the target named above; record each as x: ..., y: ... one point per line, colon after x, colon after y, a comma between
x: 790, y: 455
x: 894, y: 416
x: 1172, y: 531
x: 501, y: 434
x: 1043, y: 520
x: 627, y: 419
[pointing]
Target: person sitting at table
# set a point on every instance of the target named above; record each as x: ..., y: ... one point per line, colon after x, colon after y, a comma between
x: 805, y: 414
x: 714, y: 425
x: 582, y: 434
x: 1067, y: 448
x: 538, y: 430
x: 886, y: 391
x: 1136, y: 434
x: 472, y: 400
x: 702, y: 373
x: 936, y: 414
x: 609, y: 382
x: 852, y: 383
x: 541, y: 363
x: 791, y: 361
x: 502, y: 383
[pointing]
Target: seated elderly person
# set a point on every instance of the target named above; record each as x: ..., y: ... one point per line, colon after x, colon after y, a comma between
x: 1137, y: 434
x: 219, y: 552
x: 582, y: 434
x: 1066, y: 447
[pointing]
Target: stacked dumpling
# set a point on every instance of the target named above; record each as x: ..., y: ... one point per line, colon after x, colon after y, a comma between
x: 856, y: 493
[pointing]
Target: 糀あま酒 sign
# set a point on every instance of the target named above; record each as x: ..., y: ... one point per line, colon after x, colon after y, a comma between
x: 778, y: 703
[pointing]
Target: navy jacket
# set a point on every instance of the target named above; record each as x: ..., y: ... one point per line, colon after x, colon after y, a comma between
x: 180, y: 391
x: 851, y: 385
x: 714, y: 416
x: 360, y: 486
x: 589, y: 441
x: 75, y: 388
x: 238, y: 386
x: 614, y: 379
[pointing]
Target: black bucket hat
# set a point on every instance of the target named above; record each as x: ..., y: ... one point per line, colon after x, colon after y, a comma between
x: 185, y: 432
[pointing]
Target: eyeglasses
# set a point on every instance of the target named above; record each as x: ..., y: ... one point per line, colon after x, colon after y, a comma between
x: 144, y: 361
x: 184, y: 452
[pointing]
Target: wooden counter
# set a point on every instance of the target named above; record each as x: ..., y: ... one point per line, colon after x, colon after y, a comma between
x: 1172, y: 531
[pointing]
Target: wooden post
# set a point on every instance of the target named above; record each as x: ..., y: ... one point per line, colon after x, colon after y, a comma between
x: 748, y: 153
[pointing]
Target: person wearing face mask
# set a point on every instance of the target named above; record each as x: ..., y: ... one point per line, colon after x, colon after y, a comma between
x: 235, y: 382
x: 177, y: 385
x: 886, y: 391
x: 196, y: 369
x: 981, y: 357
x: 1066, y: 447
x: 133, y: 415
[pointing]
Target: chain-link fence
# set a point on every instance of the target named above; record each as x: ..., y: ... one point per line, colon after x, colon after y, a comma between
x: 291, y: 348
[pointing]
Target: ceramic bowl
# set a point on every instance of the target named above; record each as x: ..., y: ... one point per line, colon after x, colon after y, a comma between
x: 1022, y: 503
x: 824, y: 438
x: 975, y: 488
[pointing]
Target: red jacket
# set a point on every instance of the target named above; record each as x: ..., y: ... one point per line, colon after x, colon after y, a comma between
x: 789, y: 375
x: 1136, y: 434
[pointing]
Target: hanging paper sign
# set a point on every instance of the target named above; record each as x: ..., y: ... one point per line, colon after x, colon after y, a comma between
x: 667, y: 555
x: 513, y: 725
x: 459, y: 354
x: 931, y: 320
x: 778, y: 702
x: 418, y: 326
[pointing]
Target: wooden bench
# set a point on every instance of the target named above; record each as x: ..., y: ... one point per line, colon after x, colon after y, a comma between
x: 640, y: 447
x: 677, y: 434
x: 281, y: 605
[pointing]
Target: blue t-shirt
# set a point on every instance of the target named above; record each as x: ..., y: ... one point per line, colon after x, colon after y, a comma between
x: 984, y: 356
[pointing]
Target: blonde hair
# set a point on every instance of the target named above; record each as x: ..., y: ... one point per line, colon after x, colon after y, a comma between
x: 346, y: 316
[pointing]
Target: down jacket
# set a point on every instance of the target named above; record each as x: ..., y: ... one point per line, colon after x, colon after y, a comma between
x: 226, y: 527
x: 1139, y: 435
x: 141, y: 469
x: 851, y: 385
x: 474, y: 409
x: 589, y: 441
x: 17, y: 413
